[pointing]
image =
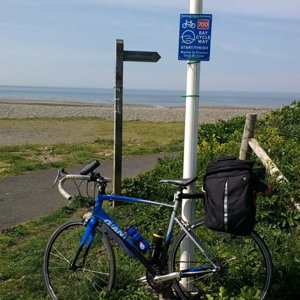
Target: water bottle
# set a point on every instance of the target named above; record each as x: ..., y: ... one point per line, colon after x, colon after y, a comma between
x: 156, y: 247
x: 138, y: 240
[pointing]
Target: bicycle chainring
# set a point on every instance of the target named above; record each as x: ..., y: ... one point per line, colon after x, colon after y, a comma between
x: 159, y: 287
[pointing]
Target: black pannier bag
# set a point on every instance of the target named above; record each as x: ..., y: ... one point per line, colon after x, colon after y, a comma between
x: 229, y: 186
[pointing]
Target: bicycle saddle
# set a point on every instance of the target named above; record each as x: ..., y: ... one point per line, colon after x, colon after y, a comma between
x: 179, y: 182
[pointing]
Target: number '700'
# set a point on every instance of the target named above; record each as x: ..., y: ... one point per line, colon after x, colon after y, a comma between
x: 203, y: 24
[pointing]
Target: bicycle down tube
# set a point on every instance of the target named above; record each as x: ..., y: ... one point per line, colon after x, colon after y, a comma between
x: 118, y: 234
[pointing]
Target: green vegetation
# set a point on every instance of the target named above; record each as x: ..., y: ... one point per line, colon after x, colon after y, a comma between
x: 21, y: 247
x: 76, y: 140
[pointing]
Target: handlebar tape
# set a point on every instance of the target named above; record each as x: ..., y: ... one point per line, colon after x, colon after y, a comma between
x: 70, y: 176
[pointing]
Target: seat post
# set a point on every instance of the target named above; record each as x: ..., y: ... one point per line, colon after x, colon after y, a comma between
x: 178, y: 195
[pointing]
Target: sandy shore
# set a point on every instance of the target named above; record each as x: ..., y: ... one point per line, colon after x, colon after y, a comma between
x: 16, y: 109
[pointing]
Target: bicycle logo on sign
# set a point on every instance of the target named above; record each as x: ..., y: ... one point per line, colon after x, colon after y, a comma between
x: 188, y: 24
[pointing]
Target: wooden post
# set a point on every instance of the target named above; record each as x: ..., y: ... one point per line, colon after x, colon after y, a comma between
x: 270, y: 165
x: 248, y: 133
x: 118, y: 125
x: 266, y: 160
x: 121, y: 56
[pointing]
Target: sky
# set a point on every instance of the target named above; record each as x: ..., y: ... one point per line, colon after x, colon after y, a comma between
x: 255, y: 45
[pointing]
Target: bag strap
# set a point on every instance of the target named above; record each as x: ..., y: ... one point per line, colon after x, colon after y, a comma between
x: 226, y: 164
x: 224, y: 158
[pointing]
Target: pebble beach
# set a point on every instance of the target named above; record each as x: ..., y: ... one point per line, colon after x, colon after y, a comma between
x: 17, y: 109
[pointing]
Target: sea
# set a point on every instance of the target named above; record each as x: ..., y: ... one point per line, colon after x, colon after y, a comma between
x: 157, y: 98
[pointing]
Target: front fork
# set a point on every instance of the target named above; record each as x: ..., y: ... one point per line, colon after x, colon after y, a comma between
x: 86, y: 242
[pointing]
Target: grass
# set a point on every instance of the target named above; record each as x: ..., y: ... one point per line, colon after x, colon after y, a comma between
x: 21, y: 258
x: 53, y: 143
x: 21, y: 247
x: 79, y: 140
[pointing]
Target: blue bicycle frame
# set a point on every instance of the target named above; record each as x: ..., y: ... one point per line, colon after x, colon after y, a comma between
x: 114, y: 230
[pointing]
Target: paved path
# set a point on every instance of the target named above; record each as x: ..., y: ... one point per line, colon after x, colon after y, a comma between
x: 30, y: 196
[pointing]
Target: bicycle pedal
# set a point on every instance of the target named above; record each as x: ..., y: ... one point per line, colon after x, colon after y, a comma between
x: 141, y: 280
x: 87, y: 216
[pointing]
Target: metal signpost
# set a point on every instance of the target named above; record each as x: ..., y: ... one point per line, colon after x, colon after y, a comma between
x: 194, y: 46
x: 121, y: 56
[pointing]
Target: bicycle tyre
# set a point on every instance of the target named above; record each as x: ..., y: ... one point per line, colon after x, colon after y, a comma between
x: 246, y: 265
x: 96, y: 273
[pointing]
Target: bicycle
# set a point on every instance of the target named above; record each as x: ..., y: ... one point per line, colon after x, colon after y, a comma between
x: 189, y: 24
x: 79, y: 261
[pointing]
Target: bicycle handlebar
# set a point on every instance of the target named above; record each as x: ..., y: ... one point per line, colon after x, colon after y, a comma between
x: 90, y: 167
x: 70, y: 176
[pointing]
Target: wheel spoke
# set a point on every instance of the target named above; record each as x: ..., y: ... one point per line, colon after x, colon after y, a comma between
x: 242, y: 263
x: 93, y: 272
x: 59, y: 255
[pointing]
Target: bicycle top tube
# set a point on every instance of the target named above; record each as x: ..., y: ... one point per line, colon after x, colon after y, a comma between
x: 112, y: 197
x: 100, y: 214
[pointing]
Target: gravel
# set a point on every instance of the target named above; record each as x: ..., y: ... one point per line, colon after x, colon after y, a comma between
x: 19, y: 110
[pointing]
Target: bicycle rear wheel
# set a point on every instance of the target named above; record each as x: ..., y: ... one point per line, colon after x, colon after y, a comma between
x: 93, y: 273
x: 245, y: 266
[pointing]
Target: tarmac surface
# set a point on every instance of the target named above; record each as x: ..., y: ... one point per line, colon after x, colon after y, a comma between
x: 31, y: 196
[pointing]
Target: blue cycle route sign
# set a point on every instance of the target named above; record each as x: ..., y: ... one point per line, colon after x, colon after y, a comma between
x: 194, y: 37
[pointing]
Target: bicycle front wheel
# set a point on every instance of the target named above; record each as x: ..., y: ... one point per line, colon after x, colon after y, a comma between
x: 94, y: 271
x: 244, y: 265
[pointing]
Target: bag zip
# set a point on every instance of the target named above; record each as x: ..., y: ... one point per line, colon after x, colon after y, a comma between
x: 227, y: 169
x: 226, y: 206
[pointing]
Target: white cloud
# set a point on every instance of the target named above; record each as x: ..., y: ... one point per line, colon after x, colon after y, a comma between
x: 60, y: 37
x: 132, y: 4
x: 287, y: 9
x: 144, y: 3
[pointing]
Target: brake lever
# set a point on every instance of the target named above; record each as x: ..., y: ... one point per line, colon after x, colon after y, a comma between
x: 60, y: 173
